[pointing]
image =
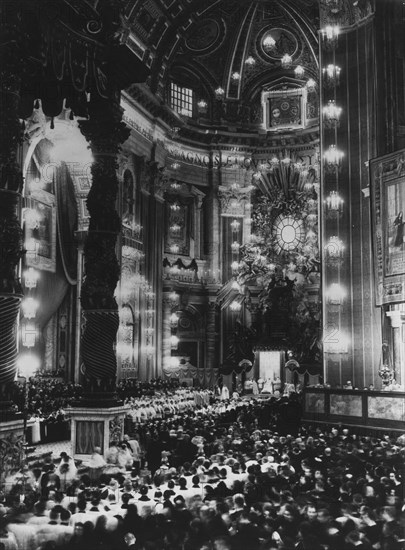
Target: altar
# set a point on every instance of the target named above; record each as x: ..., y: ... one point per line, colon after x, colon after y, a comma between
x: 370, y: 409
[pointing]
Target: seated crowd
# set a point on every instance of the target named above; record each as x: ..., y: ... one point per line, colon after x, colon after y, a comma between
x: 223, y: 477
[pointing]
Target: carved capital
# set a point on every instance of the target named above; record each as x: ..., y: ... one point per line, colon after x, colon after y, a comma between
x: 233, y: 202
x: 395, y: 318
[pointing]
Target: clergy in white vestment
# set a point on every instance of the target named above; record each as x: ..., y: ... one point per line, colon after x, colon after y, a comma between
x: 224, y: 393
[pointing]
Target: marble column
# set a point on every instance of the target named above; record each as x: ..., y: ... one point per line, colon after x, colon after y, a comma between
x: 11, y: 182
x: 105, y: 132
x: 397, y: 345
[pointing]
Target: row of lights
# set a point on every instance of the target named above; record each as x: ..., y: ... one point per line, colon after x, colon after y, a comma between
x: 29, y: 306
x: 174, y: 320
x: 335, y: 293
x: 149, y: 328
x: 299, y: 71
x: 235, y: 225
x: 28, y: 363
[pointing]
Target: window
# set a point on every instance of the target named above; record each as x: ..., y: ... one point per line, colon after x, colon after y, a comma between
x: 181, y: 100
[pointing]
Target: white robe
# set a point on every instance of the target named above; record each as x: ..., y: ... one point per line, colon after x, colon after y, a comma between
x: 224, y: 393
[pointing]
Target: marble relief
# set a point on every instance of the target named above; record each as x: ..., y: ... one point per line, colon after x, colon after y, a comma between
x: 386, y: 407
x: 345, y: 405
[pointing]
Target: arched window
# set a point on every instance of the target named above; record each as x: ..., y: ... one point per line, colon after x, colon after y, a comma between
x: 181, y: 99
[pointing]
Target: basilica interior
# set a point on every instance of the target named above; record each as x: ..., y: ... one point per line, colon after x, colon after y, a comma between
x: 207, y: 194
x: 204, y: 192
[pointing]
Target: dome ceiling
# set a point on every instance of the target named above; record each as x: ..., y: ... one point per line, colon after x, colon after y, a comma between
x: 230, y: 53
x: 220, y: 42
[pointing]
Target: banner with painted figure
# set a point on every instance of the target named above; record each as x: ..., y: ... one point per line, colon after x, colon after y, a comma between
x: 40, y: 232
x: 387, y: 178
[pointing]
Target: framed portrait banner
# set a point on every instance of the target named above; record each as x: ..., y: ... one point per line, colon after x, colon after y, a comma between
x: 40, y: 233
x: 387, y: 193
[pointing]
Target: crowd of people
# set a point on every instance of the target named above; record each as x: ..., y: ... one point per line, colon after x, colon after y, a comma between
x: 45, y: 402
x: 44, y: 396
x: 224, y: 476
x: 163, y: 404
x: 134, y: 388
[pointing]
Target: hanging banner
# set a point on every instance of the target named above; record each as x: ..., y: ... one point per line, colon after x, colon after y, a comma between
x: 387, y: 179
x: 40, y: 235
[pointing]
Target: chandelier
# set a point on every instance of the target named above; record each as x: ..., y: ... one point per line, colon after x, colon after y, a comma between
x: 333, y: 158
x: 202, y: 106
x: 311, y: 85
x: 331, y: 75
x: 235, y: 266
x: 174, y: 320
x: 268, y: 43
x: 331, y: 114
x: 31, y: 277
x: 286, y: 61
x: 299, y: 70
x: 335, y: 294
x: 235, y: 224
x: 330, y: 36
x: 174, y: 341
x: 175, y: 228
x: 173, y: 298
x: 174, y: 132
x: 235, y: 306
x: 29, y: 307
x: 334, y: 204
x: 174, y: 248
x: 334, y: 251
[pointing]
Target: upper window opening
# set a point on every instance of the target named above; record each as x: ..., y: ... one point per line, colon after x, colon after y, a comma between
x: 181, y: 100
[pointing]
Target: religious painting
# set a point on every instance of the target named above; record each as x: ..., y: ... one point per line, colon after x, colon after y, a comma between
x: 345, y: 405
x: 285, y: 111
x: 387, y: 176
x: 40, y: 234
x: 283, y: 108
x: 386, y: 408
x: 315, y: 403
